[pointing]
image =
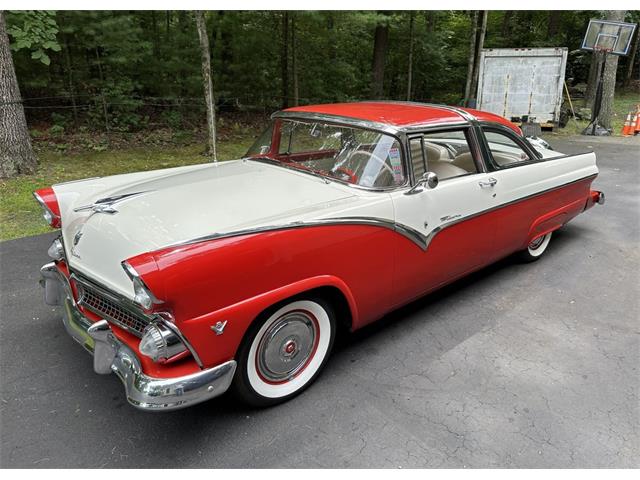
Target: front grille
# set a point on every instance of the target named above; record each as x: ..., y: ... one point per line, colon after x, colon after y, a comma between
x: 101, y: 305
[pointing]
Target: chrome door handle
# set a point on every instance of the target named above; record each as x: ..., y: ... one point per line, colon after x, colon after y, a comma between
x: 489, y: 183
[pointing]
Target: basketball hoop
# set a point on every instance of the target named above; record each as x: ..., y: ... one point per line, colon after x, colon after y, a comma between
x: 605, y: 37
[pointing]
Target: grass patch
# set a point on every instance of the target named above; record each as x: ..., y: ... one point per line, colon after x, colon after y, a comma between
x: 21, y: 216
x: 623, y: 103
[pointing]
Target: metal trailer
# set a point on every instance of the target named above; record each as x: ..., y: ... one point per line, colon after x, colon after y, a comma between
x: 520, y: 82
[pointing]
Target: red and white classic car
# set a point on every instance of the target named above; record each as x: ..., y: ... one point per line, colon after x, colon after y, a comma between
x: 187, y: 281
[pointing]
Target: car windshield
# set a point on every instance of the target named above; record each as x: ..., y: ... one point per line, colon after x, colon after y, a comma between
x: 354, y: 155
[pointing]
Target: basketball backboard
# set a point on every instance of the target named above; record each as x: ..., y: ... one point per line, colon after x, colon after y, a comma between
x: 609, y: 36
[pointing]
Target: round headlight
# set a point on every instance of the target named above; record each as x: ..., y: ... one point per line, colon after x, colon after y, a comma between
x: 159, y: 343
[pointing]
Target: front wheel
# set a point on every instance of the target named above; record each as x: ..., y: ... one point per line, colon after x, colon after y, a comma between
x: 536, y: 248
x: 284, y: 351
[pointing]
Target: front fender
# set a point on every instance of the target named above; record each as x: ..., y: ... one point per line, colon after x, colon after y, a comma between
x: 214, y: 349
x: 234, y: 279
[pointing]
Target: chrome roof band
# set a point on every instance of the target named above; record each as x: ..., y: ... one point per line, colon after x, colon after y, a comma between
x: 465, y: 118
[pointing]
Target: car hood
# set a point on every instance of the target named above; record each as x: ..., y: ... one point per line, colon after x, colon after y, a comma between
x: 146, y: 211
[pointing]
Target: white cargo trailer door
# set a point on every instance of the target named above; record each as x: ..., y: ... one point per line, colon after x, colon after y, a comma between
x: 517, y: 82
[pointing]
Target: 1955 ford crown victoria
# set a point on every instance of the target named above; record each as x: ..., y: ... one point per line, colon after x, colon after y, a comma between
x: 187, y: 281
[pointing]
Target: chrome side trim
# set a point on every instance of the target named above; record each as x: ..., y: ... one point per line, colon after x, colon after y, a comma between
x: 502, y: 205
x: 412, y: 234
x: 404, y: 230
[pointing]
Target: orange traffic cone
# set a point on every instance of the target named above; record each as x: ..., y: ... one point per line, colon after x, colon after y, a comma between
x: 636, y: 128
x: 628, y: 127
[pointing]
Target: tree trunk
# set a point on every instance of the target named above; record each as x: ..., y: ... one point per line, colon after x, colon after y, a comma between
x: 506, y: 23
x: 609, y: 84
x: 16, y: 154
x: 553, y: 24
x: 632, y: 57
x: 284, y: 59
x: 380, y: 43
x: 410, y: 69
x: 472, y: 56
x: 484, y: 14
x: 294, y: 60
x: 207, y: 84
x: 431, y: 21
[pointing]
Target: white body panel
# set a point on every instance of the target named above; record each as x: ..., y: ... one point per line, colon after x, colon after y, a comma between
x: 181, y: 204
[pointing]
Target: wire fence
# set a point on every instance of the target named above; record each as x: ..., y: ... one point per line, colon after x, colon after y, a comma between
x: 104, y: 112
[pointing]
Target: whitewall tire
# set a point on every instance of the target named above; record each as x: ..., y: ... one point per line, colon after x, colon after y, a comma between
x: 536, y: 248
x: 284, y: 351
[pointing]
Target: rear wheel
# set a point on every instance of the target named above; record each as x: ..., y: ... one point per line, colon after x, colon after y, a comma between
x: 536, y: 248
x: 284, y: 351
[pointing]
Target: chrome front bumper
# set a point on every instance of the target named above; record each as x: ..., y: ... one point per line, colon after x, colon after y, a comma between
x: 111, y: 355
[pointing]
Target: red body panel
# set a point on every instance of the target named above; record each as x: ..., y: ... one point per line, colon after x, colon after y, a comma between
x: 376, y: 269
x: 401, y: 114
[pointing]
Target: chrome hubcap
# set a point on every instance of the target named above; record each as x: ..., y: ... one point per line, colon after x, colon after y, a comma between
x: 537, y: 242
x: 287, y: 346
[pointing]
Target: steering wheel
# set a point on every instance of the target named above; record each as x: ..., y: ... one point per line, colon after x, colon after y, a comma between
x: 374, y: 157
x: 353, y: 178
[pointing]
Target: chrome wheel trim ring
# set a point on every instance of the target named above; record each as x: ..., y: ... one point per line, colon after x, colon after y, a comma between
x: 535, y: 244
x: 287, y: 346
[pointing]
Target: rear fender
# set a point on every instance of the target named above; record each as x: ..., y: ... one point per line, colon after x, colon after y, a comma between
x: 553, y: 220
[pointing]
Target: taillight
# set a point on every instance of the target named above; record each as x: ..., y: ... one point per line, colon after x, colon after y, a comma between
x: 46, y: 197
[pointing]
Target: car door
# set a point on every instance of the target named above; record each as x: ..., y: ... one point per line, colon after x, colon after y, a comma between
x: 530, y: 191
x: 456, y: 236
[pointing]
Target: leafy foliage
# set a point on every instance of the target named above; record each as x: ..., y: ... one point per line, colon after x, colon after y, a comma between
x: 35, y: 31
x: 124, y: 71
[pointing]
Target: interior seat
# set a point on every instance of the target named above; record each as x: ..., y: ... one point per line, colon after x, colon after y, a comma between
x: 446, y: 170
x: 435, y: 152
x: 465, y: 161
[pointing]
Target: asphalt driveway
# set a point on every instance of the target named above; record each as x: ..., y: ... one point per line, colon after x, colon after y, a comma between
x: 516, y: 366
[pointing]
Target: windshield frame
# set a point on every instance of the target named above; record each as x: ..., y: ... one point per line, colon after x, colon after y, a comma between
x: 305, y: 117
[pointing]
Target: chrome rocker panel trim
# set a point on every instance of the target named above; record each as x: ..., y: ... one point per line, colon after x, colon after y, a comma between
x: 110, y: 355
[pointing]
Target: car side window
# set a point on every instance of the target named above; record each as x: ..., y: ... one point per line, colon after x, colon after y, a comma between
x: 418, y: 160
x: 506, y: 152
x: 448, y: 153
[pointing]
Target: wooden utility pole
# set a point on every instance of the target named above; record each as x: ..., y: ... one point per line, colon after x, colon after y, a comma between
x: 207, y: 83
x: 410, y: 69
x: 16, y: 153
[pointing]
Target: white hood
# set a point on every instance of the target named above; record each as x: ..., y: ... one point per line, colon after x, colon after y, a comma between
x: 175, y: 205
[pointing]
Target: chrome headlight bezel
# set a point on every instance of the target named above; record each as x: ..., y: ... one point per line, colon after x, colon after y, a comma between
x: 143, y: 296
x: 160, y: 343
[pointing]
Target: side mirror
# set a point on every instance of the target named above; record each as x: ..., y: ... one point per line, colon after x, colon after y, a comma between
x: 428, y: 180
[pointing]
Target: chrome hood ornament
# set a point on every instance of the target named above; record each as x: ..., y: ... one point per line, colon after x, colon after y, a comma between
x: 106, y: 205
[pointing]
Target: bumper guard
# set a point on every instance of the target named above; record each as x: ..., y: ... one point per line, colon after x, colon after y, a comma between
x: 110, y: 355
